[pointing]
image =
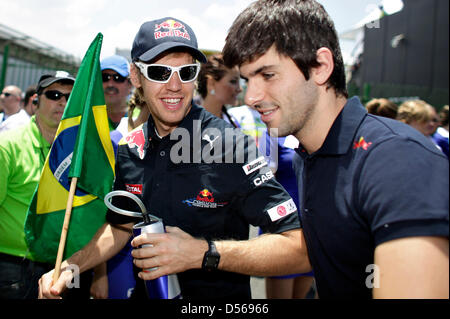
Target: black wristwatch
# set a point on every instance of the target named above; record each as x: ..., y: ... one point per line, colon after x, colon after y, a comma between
x: 211, y: 258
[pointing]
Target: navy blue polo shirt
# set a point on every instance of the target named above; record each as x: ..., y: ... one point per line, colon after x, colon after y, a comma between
x: 373, y: 180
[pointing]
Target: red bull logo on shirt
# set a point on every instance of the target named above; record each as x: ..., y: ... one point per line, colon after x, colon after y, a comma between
x: 362, y: 144
x: 173, y: 30
x: 204, y: 199
x: 136, y: 139
x: 205, y: 196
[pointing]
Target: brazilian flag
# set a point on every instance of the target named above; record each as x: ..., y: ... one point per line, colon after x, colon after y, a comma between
x: 82, y: 148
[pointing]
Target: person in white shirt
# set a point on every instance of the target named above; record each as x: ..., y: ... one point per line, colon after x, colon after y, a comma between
x: 13, y: 115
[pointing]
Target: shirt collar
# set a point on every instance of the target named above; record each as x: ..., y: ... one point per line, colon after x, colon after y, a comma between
x: 342, y: 133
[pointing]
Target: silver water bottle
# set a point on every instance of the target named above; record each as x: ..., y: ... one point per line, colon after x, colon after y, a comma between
x: 164, y: 287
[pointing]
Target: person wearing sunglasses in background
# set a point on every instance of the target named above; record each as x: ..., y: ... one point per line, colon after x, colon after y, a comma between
x: 206, y: 207
x: 22, y: 155
x: 13, y: 114
x: 117, y: 87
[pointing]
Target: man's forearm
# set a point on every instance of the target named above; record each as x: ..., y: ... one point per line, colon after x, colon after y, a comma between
x: 106, y: 243
x: 266, y: 255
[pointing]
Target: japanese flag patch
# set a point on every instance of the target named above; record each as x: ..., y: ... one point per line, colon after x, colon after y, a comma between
x: 282, y: 210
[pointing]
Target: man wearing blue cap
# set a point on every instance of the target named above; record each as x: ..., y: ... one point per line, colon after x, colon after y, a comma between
x: 116, y: 86
x: 206, y: 207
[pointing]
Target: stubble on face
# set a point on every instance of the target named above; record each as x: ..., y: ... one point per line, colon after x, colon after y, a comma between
x: 278, y: 90
x: 301, y: 106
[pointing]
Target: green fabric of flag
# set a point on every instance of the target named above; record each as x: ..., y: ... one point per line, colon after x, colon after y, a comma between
x: 82, y: 148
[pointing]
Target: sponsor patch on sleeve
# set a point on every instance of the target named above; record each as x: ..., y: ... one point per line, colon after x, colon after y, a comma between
x: 254, y: 165
x: 281, y: 210
x: 263, y: 178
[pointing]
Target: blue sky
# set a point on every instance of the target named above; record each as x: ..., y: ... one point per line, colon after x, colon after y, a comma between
x: 71, y: 25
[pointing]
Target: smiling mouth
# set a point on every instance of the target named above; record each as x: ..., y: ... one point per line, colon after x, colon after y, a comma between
x: 172, y: 104
x: 172, y: 101
x: 265, y: 112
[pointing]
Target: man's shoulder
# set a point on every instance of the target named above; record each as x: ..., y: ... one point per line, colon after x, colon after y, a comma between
x: 385, y: 131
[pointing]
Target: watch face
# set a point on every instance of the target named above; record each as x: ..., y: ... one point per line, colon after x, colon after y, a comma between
x: 211, y: 258
x: 212, y: 261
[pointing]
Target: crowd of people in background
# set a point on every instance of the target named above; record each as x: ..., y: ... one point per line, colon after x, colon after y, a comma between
x: 419, y: 114
x: 29, y: 119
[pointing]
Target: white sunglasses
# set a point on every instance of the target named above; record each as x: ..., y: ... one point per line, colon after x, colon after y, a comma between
x: 161, y: 73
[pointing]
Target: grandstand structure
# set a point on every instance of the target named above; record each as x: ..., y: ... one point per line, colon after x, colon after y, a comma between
x: 23, y: 59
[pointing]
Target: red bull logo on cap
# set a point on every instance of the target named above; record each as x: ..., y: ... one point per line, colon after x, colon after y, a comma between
x: 173, y: 30
x: 136, y: 139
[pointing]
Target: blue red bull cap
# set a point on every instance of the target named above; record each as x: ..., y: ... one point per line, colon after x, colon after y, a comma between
x: 156, y: 37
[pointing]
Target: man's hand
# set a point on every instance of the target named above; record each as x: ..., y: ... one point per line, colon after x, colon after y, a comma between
x: 50, y: 290
x: 99, y: 286
x: 176, y: 251
x: 172, y: 252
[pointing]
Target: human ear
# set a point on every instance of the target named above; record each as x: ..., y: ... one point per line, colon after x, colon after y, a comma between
x: 210, y: 84
x: 134, y: 76
x: 35, y: 99
x: 322, y: 73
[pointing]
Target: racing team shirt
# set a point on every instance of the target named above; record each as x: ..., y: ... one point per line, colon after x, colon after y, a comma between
x: 373, y: 180
x: 201, y: 195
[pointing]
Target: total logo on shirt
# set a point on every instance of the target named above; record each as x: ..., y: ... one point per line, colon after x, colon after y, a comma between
x: 134, y: 188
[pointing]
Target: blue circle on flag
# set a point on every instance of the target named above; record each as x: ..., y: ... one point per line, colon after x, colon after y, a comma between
x: 61, y: 157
